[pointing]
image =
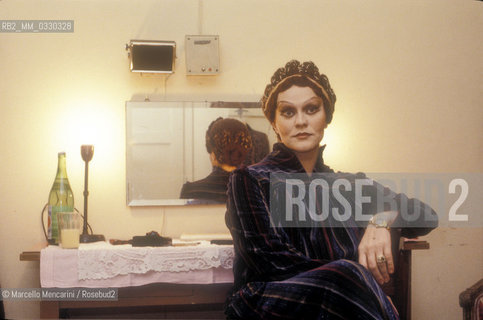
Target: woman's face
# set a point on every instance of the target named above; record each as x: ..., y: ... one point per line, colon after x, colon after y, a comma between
x: 300, y: 119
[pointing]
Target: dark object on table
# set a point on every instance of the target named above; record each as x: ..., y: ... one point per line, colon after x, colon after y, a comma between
x: 222, y: 241
x: 151, y: 239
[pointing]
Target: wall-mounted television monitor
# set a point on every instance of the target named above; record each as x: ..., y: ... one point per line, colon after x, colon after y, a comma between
x: 148, y: 56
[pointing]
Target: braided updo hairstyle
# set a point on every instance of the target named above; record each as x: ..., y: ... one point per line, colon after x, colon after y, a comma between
x: 229, y: 140
x: 303, y: 75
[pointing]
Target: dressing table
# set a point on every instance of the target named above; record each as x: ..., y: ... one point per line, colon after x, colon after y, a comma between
x: 165, y: 282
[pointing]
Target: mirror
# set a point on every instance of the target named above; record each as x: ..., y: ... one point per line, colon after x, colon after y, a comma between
x: 165, y: 145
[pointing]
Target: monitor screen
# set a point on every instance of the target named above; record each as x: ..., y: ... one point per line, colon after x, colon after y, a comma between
x: 156, y: 57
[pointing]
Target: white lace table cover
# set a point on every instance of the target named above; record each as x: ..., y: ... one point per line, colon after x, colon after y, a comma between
x: 103, y: 261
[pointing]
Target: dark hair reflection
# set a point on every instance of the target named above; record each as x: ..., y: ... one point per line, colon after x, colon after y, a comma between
x: 228, y: 143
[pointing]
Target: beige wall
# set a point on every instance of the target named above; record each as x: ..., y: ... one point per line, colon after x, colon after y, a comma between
x: 408, y: 76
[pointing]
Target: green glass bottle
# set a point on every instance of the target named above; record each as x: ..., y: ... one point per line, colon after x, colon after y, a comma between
x: 61, y: 199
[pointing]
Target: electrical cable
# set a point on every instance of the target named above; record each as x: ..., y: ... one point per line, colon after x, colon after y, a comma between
x: 42, y: 218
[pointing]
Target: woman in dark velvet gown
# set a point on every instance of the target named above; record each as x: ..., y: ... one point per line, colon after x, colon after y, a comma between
x: 317, y: 271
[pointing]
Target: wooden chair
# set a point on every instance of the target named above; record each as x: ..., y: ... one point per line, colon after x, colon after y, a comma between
x: 471, y: 300
x: 2, y: 310
x: 399, y: 287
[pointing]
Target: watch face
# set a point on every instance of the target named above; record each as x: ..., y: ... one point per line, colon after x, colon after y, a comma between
x: 379, y: 220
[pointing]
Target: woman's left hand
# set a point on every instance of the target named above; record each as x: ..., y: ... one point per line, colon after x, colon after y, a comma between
x: 375, y: 253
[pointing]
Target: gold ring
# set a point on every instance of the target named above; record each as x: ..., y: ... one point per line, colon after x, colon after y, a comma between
x: 381, y: 259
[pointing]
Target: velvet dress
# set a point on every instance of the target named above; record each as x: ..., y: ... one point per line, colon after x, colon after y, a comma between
x: 298, y: 273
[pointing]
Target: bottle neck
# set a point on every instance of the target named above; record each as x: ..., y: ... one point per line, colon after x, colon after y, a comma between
x: 61, y: 167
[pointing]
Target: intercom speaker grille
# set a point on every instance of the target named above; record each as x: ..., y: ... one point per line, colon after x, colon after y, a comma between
x: 202, y: 55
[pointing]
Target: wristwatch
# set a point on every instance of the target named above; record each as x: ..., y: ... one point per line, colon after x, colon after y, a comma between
x: 379, y: 222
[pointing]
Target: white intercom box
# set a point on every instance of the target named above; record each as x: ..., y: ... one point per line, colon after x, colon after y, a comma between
x: 202, y: 55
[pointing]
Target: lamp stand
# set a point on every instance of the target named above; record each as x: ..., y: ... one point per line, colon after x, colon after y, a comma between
x: 87, y: 151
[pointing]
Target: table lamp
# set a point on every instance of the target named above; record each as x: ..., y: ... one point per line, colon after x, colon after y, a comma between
x: 87, y: 151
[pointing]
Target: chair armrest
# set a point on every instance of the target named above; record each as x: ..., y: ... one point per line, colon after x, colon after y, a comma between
x: 399, y: 288
x: 410, y: 244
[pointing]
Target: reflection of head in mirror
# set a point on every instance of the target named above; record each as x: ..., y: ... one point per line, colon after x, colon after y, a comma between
x: 228, y: 143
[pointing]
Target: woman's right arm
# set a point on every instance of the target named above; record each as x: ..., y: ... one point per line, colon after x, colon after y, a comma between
x: 265, y: 249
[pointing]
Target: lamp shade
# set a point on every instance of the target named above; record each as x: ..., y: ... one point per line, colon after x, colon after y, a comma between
x: 87, y: 152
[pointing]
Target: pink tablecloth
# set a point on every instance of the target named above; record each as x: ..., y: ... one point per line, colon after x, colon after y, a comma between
x: 59, y: 268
